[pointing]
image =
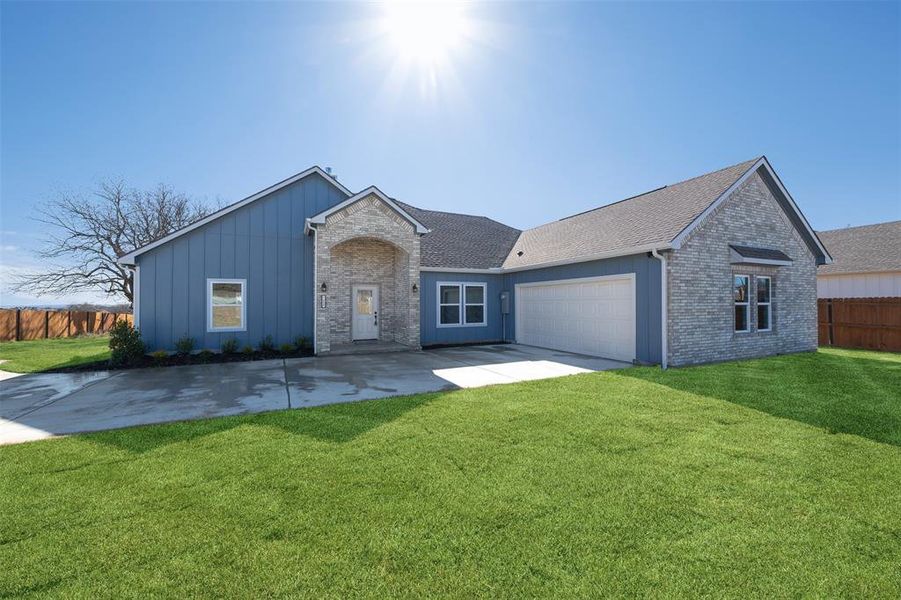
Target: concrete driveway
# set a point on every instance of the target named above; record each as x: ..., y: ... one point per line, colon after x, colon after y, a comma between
x: 37, y: 406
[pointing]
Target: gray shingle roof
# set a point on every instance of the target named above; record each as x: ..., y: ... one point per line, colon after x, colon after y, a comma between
x: 462, y: 241
x: 865, y: 249
x: 764, y: 253
x: 655, y: 217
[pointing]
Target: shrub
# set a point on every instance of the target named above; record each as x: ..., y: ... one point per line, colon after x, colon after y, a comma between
x: 247, y: 350
x: 159, y: 356
x: 205, y: 355
x: 266, y: 344
x: 287, y: 348
x: 125, y: 344
x: 184, y: 346
x: 301, y: 343
x: 230, y: 346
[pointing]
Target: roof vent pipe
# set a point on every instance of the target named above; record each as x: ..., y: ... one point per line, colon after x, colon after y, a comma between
x: 328, y: 171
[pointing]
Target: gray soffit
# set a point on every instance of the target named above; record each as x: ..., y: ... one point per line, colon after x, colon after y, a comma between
x: 865, y: 249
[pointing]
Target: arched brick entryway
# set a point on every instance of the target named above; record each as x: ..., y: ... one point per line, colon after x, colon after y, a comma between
x: 366, y: 243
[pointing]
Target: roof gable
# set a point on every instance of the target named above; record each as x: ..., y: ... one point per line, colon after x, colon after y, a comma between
x: 660, y: 219
x: 763, y: 168
x: 320, y: 218
x: 129, y: 258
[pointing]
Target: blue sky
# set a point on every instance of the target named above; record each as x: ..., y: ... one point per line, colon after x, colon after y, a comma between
x: 543, y: 111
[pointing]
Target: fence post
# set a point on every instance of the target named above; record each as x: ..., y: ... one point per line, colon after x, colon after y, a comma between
x: 18, y: 325
x: 46, y: 324
x: 829, y: 321
x: 69, y: 324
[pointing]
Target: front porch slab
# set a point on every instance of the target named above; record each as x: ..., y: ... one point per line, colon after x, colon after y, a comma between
x: 369, y: 347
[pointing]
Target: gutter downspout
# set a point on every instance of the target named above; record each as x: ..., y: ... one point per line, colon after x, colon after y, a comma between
x: 315, y: 281
x: 664, y: 297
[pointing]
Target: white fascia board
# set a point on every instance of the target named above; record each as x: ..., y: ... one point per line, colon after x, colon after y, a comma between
x: 489, y: 271
x: 762, y: 162
x: 129, y: 259
x: 591, y: 257
x: 320, y: 218
x: 555, y: 263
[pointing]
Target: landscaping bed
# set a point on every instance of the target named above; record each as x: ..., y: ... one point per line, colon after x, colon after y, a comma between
x: 91, y: 353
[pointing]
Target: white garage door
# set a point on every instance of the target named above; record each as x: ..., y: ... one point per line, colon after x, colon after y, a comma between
x: 593, y: 316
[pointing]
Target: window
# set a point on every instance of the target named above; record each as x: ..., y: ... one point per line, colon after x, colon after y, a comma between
x: 474, y: 300
x: 764, y: 302
x: 461, y: 304
x: 225, y: 304
x: 740, y: 284
x: 449, y: 304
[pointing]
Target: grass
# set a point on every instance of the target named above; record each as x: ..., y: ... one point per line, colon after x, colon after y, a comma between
x: 57, y: 353
x: 774, y: 477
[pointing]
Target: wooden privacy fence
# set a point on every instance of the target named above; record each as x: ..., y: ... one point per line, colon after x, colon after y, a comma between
x: 870, y: 323
x: 29, y: 324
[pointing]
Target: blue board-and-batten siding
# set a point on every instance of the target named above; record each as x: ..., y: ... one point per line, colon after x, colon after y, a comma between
x: 262, y: 242
x: 429, y: 332
x: 647, y: 301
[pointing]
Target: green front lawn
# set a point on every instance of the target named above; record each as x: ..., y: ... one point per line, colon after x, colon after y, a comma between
x: 775, y: 477
x: 56, y: 353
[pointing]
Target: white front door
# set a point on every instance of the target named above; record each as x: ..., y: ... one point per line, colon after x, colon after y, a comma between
x: 365, y: 307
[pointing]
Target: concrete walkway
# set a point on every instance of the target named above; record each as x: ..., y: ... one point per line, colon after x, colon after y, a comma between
x: 37, y: 406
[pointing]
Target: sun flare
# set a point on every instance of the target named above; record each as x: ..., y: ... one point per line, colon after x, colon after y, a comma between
x: 427, y: 33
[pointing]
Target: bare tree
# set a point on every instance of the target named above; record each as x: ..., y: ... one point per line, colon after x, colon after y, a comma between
x: 88, y: 234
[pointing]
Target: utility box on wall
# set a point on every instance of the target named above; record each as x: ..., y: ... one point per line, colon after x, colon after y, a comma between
x: 505, y: 303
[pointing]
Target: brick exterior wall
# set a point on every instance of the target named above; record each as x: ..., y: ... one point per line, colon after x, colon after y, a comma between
x: 367, y: 243
x: 699, y: 278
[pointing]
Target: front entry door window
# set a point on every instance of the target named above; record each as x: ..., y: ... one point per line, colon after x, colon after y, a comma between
x: 365, y: 306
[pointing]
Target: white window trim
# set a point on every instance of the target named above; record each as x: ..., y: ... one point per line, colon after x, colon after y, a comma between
x: 483, y: 304
x: 769, y: 313
x: 746, y: 304
x: 461, y: 285
x: 209, y: 306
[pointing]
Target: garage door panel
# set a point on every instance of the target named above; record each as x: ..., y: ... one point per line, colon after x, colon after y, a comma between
x: 590, y: 317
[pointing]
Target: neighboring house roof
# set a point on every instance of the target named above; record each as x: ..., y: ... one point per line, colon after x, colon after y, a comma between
x: 462, y: 241
x: 865, y: 249
x: 371, y: 190
x: 129, y: 258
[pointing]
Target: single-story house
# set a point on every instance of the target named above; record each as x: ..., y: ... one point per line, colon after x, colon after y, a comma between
x: 717, y: 267
x: 867, y: 262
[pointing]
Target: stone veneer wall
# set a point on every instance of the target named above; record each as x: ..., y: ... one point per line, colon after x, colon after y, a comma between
x: 367, y: 243
x: 364, y: 261
x: 700, y: 309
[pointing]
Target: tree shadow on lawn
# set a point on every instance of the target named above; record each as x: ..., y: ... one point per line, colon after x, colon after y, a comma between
x: 335, y: 423
x: 837, y: 391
